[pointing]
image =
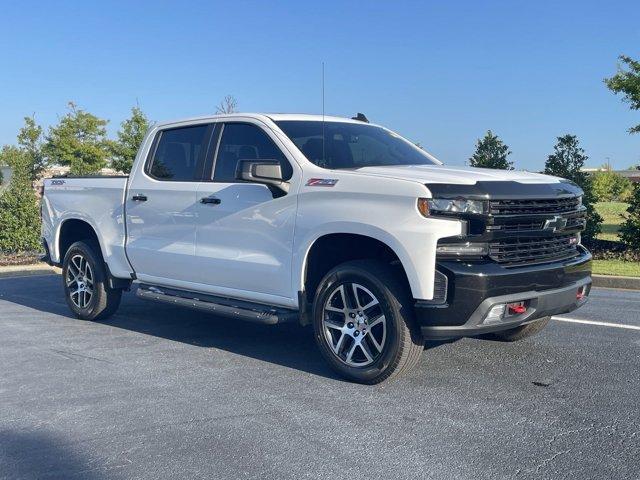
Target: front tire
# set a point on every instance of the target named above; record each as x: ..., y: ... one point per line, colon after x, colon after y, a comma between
x: 363, y: 322
x: 86, y: 287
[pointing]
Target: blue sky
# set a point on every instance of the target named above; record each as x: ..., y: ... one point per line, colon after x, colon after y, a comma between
x: 440, y: 73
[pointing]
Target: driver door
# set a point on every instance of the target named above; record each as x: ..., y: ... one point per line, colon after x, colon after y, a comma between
x: 244, y: 233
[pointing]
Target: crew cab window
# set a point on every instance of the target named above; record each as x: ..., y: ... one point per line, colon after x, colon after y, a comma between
x: 178, y: 155
x: 243, y: 141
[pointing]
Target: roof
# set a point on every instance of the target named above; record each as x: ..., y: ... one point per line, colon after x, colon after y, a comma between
x: 276, y: 117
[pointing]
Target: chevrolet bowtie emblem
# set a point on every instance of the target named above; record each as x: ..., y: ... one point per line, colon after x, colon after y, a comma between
x: 555, y: 224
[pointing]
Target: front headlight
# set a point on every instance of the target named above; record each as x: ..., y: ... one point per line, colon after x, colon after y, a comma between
x: 441, y: 205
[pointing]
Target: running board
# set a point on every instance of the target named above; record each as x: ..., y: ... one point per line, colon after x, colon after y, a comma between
x: 243, y: 310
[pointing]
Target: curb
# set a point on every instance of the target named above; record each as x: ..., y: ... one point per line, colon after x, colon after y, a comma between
x: 28, y: 270
x: 611, y: 281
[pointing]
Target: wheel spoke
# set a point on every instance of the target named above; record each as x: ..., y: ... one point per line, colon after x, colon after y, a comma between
x: 350, y: 354
x: 376, y: 321
x: 355, y: 296
x: 335, y: 326
x: 374, y: 341
x: 365, y: 349
x: 339, y: 343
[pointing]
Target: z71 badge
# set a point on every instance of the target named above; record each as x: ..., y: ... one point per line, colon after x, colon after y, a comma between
x: 322, y: 182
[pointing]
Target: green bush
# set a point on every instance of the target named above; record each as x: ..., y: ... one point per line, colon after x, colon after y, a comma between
x: 630, y: 229
x: 19, y: 219
x: 611, y: 187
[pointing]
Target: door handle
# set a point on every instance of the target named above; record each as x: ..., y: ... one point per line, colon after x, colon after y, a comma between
x: 139, y: 198
x: 211, y: 200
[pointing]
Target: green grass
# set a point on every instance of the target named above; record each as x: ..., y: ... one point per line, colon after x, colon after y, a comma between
x: 612, y: 214
x: 616, y: 267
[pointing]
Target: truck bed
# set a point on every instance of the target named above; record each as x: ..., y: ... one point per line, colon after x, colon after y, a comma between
x: 99, y: 201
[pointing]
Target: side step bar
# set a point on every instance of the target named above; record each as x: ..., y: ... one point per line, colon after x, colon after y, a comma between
x: 243, y: 310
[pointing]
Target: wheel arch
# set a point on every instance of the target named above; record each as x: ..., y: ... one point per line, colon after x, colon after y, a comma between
x: 329, y: 249
x: 72, y: 230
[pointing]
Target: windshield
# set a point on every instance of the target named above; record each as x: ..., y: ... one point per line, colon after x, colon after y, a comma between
x: 352, y: 145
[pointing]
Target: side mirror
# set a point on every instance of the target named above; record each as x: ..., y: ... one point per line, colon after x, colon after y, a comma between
x: 268, y: 172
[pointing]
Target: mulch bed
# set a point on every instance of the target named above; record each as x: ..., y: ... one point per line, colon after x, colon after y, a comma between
x: 10, y: 259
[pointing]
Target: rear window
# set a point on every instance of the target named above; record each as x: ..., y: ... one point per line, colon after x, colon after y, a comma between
x: 179, y: 154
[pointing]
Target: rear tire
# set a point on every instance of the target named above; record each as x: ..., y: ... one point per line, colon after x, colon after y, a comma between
x: 521, y: 332
x: 363, y: 322
x: 85, y: 281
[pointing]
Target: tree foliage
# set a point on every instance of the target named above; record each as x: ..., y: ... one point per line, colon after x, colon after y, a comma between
x: 30, y: 140
x: 19, y: 212
x: 609, y: 186
x: 80, y: 141
x: 567, y: 161
x: 130, y: 137
x: 630, y: 229
x: 491, y: 152
x: 627, y: 83
x: 229, y: 104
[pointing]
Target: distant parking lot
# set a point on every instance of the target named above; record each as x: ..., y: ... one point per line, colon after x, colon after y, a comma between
x: 161, y: 392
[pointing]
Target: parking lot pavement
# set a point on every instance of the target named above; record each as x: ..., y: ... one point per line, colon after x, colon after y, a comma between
x: 160, y: 392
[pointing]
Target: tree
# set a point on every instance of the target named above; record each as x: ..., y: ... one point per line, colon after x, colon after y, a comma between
x: 229, y: 104
x: 627, y: 82
x: 609, y: 186
x: 630, y: 229
x: 19, y: 212
x: 130, y: 137
x: 30, y: 139
x: 79, y: 141
x: 567, y: 161
x: 491, y: 152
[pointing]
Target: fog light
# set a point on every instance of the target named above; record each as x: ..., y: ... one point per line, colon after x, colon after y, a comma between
x: 496, y: 314
x: 582, y: 292
x: 517, y: 308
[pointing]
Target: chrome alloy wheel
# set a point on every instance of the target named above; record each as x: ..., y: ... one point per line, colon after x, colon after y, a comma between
x: 80, y: 281
x: 354, y: 325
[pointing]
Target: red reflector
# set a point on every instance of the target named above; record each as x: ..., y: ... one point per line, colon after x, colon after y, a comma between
x: 580, y: 295
x: 516, y: 308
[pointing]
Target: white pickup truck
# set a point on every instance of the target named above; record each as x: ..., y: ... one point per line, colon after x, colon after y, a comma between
x: 326, y: 221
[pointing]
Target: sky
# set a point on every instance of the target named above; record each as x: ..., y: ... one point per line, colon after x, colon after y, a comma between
x: 439, y: 73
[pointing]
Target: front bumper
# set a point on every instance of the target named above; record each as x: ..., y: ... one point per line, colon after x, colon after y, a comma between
x: 474, y: 288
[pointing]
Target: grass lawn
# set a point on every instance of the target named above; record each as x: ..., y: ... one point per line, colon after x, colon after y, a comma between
x: 616, y: 267
x: 612, y: 214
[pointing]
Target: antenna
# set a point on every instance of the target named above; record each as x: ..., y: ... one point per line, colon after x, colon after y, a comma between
x: 324, y: 160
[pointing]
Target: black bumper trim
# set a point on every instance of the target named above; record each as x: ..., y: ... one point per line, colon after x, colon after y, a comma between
x: 473, y: 284
x: 540, y: 304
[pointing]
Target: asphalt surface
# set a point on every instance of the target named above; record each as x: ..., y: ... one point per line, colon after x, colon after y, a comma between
x: 160, y: 392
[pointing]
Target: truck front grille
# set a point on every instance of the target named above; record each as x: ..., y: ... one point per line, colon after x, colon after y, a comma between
x: 534, y: 207
x: 531, y: 250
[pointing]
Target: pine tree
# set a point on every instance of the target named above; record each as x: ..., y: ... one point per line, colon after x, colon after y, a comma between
x: 491, y: 152
x: 130, y: 138
x: 567, y: 161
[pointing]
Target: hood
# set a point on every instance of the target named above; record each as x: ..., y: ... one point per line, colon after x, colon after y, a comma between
x: 456, y: 175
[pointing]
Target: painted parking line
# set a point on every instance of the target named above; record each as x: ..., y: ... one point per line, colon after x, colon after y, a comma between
x: 592, y: 322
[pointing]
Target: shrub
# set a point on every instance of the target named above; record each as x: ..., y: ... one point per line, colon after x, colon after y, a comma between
x: 630, y: 229
x: 19, y: 217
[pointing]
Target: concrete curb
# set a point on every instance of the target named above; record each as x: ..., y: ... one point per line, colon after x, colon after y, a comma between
x: 611, y: 281
x: 27, y: 270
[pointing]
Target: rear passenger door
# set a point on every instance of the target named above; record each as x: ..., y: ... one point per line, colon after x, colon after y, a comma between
x: 245, y: 230
x: 161, y: 206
